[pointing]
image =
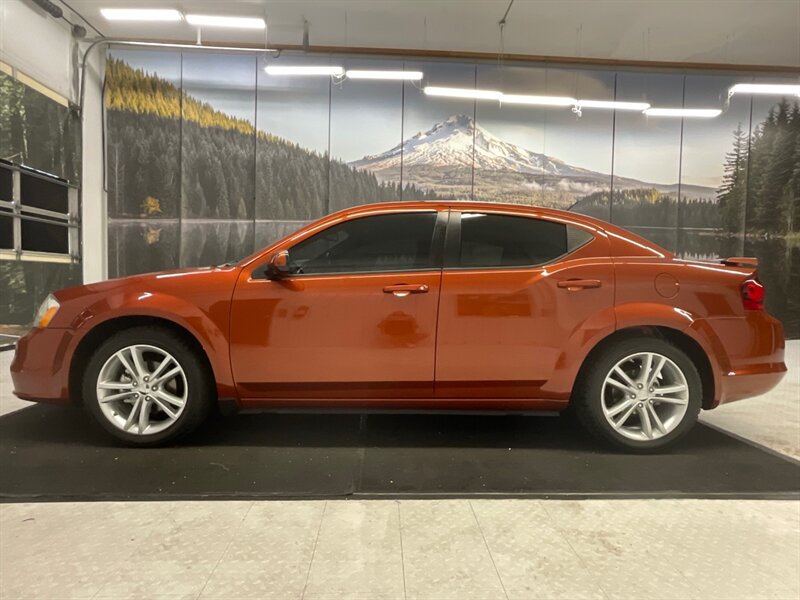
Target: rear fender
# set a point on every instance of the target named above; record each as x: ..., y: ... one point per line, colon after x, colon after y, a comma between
x: 575, y: 350
x: 653, y: 314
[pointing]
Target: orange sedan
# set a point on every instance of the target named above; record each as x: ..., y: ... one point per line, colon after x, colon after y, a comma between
x: 416, y: 305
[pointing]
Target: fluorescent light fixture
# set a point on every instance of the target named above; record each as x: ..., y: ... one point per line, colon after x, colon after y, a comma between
x: 683, y: 112
x: 223, y: 21
x: 403, y: 75
x: 462, y: 93
x: 613, y: 105
x: 765, y: 88
x: 537, y: 100
x: 303, y: 70
x: 141, y: 14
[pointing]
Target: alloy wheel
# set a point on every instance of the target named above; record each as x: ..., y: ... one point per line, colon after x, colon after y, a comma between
x: 645, y: 396
x: 142, y: 389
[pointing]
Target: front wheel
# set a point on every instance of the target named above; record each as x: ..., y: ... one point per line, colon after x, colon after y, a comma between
x: 146, y: 386
x: 639, y: 394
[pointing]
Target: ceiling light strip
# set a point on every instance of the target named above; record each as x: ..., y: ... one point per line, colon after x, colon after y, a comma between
x: 141, y: 14
x: 475, y: 94
x: 613, y: 105
x: 319, y: 70
x: 537, y: 100
x: 683, y: 112
x: 392, y: 75
x: 766, y: 88
x: 226, y: 21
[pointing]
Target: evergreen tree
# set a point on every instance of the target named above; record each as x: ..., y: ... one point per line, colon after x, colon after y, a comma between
x: 772, y: 187
x: 37, y: 132
x: 156, y: 140
x: 647, y: 207
x: 732, y: 194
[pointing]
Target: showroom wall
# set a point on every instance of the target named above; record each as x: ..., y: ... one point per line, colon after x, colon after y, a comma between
x: 40, y: 131
x: 210, y: 158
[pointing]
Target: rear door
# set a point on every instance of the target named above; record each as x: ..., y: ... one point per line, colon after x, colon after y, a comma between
x: 516, y: 290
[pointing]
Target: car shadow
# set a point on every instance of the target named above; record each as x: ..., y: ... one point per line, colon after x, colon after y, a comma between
x: 71, y: 426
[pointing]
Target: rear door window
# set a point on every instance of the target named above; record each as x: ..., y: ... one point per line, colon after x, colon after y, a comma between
x: 491, y: 240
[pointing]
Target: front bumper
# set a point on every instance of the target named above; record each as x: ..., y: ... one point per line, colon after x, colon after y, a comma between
x: 40, y: 368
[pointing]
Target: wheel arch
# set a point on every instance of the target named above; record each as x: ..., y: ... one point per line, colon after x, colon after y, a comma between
x: 92, y: 338
x: 685, y: 342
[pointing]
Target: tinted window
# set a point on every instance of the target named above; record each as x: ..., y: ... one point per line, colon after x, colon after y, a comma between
x: 6, y: 231
x: 577, y: 238
x: 40, y: 236
x: 40, y: 193
x: 505, y: 241
x: 400, y: 242
x: 6, y: 185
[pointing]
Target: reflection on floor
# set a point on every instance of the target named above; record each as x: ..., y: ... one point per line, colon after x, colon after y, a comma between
x: 8, y: 401
x: 7, y: 341
x: 772, y: 420
x: 418, y: 548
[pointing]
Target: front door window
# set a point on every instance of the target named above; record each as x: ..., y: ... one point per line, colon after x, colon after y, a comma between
x: 394, y: 242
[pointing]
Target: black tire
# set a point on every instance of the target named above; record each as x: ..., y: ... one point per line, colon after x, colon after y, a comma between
x: 587, y: 396
x: 200, y: 383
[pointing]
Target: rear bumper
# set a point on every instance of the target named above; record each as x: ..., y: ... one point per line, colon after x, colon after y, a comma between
x: 40, y: 369
x: 754, y: 348
x: 738, y: 386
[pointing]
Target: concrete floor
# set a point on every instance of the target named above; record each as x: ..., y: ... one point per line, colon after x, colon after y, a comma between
x: 434, y: 549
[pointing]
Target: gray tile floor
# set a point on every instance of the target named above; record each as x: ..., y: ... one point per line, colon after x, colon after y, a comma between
x: 437, y: 549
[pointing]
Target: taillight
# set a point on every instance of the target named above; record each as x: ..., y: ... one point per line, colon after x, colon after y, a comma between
x: 753, y: 295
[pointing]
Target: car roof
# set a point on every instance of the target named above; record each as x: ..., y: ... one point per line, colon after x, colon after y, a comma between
x: 463, y: 205
x: 565, y: 216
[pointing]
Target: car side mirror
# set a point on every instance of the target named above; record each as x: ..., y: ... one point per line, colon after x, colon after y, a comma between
x: 278, y: 266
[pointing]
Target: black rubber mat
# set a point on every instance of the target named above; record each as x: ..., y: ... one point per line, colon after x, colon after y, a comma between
x: 49, y: 454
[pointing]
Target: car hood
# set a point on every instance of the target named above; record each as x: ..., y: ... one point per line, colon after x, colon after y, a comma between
x: 167, y: 281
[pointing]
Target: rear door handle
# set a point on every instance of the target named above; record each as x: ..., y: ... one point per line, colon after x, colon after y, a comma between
x: 404, y: 289
x: 579, y: 284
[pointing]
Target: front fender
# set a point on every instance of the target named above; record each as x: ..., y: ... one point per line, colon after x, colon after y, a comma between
x: 208, y: 327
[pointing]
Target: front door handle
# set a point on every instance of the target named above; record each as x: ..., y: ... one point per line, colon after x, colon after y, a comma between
x: 574, y: 285
x: 404, y: 289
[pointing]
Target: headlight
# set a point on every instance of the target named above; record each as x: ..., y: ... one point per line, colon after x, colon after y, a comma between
x: 46, y: 311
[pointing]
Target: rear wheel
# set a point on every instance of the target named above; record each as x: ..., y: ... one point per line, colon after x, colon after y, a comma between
x: 639, y: 394
x: 146, y: 386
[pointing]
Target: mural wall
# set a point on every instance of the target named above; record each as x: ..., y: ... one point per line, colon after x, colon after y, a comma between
x: 211, y: 158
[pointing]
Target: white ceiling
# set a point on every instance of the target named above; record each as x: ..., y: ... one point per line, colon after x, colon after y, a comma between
x: 757, y: 32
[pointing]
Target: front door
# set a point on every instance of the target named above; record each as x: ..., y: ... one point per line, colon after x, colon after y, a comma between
x: 356, y: 317
x: 515, y: 291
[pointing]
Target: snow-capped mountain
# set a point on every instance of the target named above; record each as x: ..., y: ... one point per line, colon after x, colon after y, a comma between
x: 441, y: 159
x: 450, y: 144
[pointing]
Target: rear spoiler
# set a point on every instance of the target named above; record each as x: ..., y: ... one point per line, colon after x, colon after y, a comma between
x: 740, y: 261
